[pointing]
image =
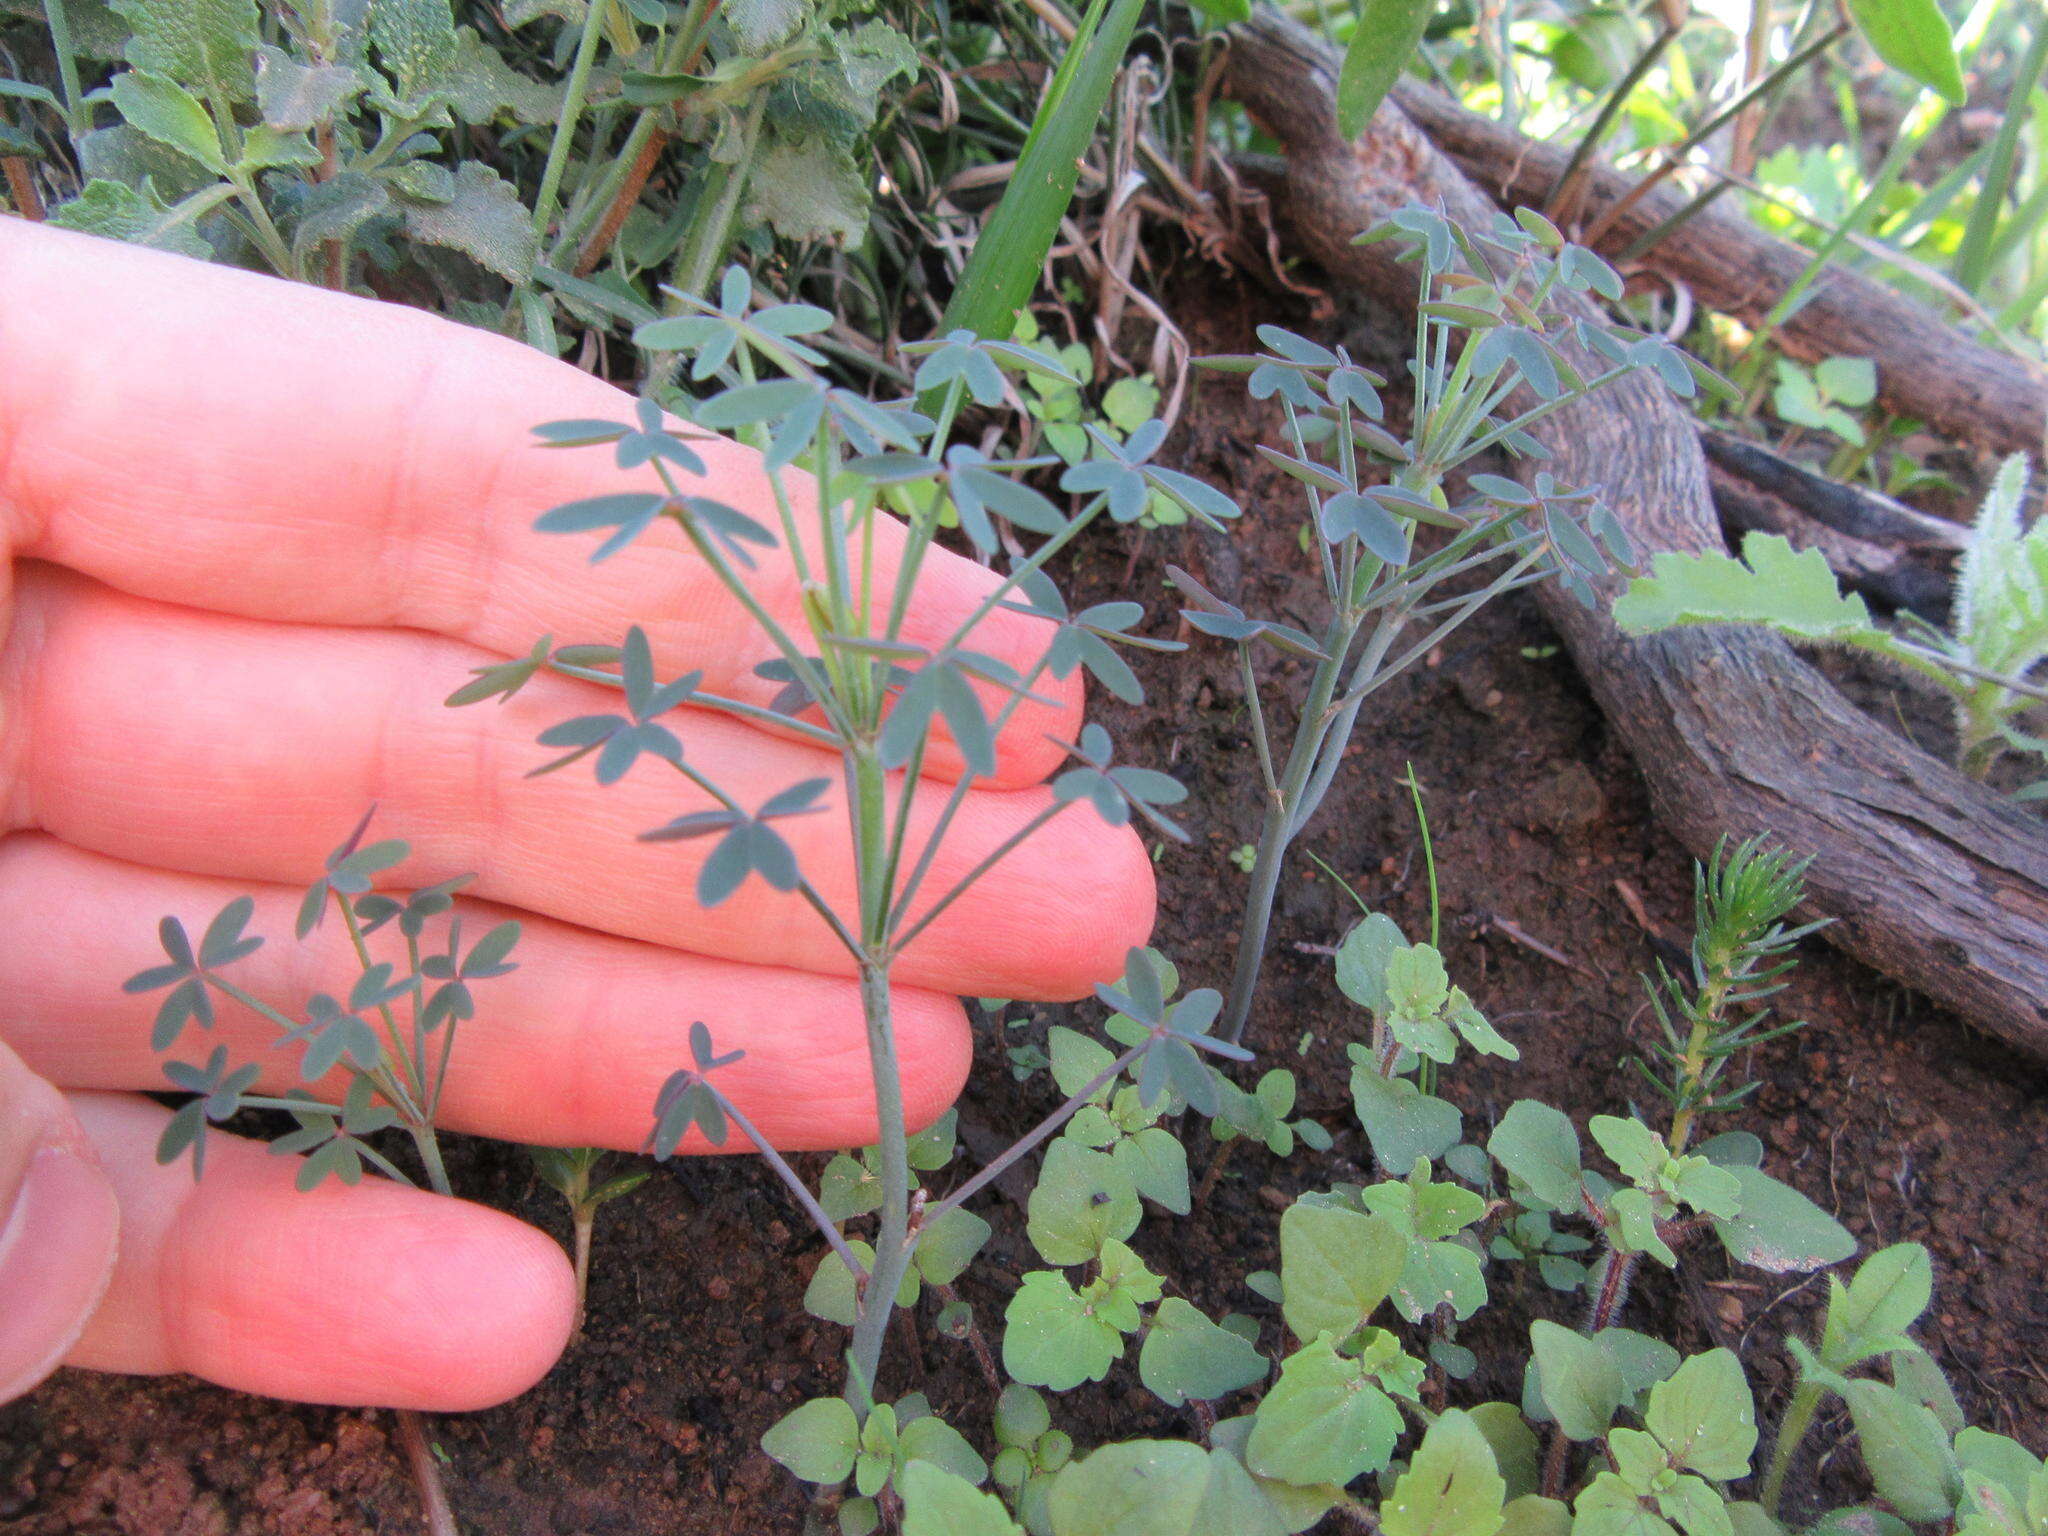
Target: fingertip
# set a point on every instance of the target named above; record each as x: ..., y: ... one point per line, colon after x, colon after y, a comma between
x: 935, y: 1047
x: 371, y: 1295
x: 487, y: 1353
x: 401, y: 1299
x: 1119, y: 895
x: 57, y: 1249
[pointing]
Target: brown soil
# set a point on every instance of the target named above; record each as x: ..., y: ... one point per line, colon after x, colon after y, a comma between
x: 1900, y: 1119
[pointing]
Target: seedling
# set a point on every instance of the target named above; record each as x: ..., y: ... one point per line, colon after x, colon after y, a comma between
x: 572, y: 1173
x: 1822, y: 400
x: 390, y: 1038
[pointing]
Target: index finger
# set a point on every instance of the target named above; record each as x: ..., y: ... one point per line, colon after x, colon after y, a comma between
x: 215, y: 438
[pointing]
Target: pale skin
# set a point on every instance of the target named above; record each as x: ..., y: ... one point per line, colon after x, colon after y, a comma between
x: 256, y: 533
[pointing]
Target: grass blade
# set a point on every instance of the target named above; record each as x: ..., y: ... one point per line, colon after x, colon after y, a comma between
x: 1003, y: 268
x: 1974, y: 258
x: 1387, y: 35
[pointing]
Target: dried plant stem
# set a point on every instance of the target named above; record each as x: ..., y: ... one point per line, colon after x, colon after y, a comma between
x: 21, y: 187
x: 426, y: 1473
x: 582, y: 1218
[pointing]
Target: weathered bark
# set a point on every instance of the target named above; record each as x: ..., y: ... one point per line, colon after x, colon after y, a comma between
x: 1848, y: 509
x: 1925, y: 369
x: 1931, y: 878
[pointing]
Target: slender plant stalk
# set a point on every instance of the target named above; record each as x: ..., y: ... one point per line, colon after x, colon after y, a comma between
x: 1973, y: 258
x: 77, y: 116
x: 1792, y: 1430
x: 1564, y: 191
x: 426, y: 1473
x: 711, y: 225
x: 546, y: 199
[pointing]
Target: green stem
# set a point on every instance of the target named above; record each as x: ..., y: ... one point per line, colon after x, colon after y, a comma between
x: 268, y: 237
x: 960, y: 887
x: 411, y: 1069
x: 545, y: 201
x: 1310, y: 733
x: 711, y: 227
x: 1791, y: 1433
x: 892, y: 1236
x: 429, y: 1147
x: 76, y: 118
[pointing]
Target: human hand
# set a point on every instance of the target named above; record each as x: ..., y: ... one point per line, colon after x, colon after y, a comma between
x: 258, y: 532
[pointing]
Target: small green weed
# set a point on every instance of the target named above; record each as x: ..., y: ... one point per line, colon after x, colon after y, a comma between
x: 2001, y: 615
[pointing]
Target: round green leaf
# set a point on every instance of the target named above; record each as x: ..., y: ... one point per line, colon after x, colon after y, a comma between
x: 1336, y: 1266
x: 1705, y: 1417
x: 1159, y: 1488
x: 1452, y: 1486
x: 1186, y: 1355
x: 1324, y: 1421
x: 940, y: 1503
x: 817, y: 1440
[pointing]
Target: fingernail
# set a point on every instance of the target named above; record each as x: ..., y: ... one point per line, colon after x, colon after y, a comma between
x: 56, y: 1256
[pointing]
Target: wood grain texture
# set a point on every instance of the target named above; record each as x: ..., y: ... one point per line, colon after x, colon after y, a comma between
x: 1930, y: 878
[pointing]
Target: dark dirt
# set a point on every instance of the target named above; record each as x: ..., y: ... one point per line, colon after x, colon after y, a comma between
x: 1901, y: 1120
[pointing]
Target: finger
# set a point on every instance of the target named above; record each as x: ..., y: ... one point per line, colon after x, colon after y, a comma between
x: 58, y: 1228
x: 568, y: 1050
x: 259, y: 741
x: 282, y: 451
x: 376, y: 1294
